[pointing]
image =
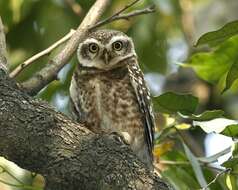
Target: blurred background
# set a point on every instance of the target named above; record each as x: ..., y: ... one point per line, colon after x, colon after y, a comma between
x: 164, y: 41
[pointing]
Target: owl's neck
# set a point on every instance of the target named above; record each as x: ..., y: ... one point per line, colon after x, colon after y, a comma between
x: 114, y: 73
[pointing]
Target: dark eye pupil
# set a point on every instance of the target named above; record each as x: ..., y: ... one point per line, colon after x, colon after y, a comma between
x: 117, y: 45
x: 94, y: 47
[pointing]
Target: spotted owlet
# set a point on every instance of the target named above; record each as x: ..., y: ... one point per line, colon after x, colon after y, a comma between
x: 108, y: 92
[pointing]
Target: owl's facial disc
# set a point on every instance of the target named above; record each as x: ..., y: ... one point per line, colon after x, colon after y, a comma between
x: 88, y: 52
x: 107, y: 54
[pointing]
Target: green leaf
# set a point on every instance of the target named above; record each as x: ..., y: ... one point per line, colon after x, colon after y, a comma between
x: 170, y: 102
x: 211, y: 66
x: 231, y: 131
x: 216, y: 37
x: 232, y: 75
x: 205, y: 116
x: 218, y: 125
x: 174, y: 155
x: 231, y: 182
x: 196, y: 166
x: 235, y: 149
x: 179, y: 178
x: 231, y: 163
x: 224, y: 126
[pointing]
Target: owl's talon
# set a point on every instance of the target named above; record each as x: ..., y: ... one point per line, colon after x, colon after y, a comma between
x: 118, y: 137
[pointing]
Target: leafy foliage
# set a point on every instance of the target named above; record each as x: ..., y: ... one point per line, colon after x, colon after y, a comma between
x: 196, y: 166
x: 155, y: 37
x: 216, y: 37
x: 205, y: 116
x: 170, y: 102
x: 232, y: 75
x: 212, y: 66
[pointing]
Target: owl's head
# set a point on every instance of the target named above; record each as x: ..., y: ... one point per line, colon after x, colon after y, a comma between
x: 105, y: 49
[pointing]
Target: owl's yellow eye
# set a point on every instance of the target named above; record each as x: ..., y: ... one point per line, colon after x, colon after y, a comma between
x: 117, y: 45
x: 93, y: 48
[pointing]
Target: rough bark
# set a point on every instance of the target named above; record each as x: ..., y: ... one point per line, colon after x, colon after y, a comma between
x: 40, y: 139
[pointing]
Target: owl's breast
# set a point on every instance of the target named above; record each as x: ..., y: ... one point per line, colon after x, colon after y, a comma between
x: 119, y: 100
x: 118, y: 107
x: 109, y: 105
x: 108, y: 101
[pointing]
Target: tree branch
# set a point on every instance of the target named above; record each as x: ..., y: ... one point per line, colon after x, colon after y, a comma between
x: 113, y: 18
x: 29, y: 61
x: 126, y: 7
x: 3, y: 52
x: 125, y: 16
x: 49, y: 73
x: 69, y: 156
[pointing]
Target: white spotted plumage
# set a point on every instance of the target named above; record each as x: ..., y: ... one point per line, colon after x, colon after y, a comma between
x: 144, y: 100
x: 109, y: 94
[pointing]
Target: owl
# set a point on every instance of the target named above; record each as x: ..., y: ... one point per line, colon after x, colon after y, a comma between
x: 108, y: 91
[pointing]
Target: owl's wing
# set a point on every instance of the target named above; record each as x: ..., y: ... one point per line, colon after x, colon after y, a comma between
x: 143, y: 98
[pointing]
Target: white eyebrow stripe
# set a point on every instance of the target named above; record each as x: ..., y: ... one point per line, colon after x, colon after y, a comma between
x: 116, y: 38
x: 92, y: 40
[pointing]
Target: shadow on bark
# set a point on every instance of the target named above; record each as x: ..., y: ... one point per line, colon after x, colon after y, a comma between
x: 69, y: 156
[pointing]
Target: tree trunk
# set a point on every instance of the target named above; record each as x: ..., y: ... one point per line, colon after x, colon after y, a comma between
x: 69, y: 156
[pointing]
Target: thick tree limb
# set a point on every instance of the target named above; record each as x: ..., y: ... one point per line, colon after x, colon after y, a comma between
x: 37, y: 138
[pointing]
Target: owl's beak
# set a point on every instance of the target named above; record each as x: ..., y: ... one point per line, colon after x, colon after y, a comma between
x: 105, y: 57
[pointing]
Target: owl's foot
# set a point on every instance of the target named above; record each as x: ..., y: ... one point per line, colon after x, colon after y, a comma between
x: 119, y: 137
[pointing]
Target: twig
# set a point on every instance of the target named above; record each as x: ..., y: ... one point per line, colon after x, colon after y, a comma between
x: 28, y: 62
x: 126, y: 7
x: 214, y: 157
x: 49, y: 73
x: 186, y: 163
x: 116, y: 16
x: 217, y: 176
x: 171, y: 162
x: 3, y: 52
x: 125, y: 16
